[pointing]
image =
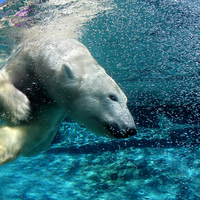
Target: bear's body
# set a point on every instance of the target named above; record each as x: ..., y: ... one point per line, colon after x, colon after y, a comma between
x: 48, y: 78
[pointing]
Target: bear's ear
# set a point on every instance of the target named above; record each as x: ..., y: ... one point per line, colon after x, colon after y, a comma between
x: 67, y: 72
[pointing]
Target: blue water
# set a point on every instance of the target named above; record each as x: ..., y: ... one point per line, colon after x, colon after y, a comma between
x: 1, y: 1
x: 151, y: 48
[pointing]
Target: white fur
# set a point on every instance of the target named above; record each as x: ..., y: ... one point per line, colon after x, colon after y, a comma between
x: 46, y: 79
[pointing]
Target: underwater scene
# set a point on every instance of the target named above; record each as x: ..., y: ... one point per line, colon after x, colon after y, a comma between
x: 151, y: 48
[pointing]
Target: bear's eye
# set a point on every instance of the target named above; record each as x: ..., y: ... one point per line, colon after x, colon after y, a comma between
x: 113, y: 97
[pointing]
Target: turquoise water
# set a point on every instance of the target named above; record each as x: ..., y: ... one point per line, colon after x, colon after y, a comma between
x: 151, y: 48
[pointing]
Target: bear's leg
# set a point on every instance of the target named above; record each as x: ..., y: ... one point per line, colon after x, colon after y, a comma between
x: 30, y: 138
x: 12, y: 140
x: 14, y: 105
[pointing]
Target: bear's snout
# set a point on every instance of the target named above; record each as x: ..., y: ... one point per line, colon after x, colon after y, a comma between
x: 115, y: 130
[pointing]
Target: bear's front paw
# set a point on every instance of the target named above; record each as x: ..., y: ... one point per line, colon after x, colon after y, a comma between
x: 20, y: 108
x: 16, y: 106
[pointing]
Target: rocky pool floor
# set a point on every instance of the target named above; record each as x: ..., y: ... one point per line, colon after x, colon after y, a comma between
x: 142, y: 173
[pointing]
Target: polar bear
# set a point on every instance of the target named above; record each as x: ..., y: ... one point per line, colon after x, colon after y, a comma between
x: 44, y: 80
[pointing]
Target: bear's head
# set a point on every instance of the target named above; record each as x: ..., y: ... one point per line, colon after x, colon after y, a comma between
x: 92, y: 97
x: 97, y: 102
x: 102, y: 108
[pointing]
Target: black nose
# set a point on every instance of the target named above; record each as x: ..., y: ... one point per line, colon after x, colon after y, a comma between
x: 115, y: 130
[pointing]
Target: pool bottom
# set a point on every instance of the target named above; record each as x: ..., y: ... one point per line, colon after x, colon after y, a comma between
x: 141, y: 173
